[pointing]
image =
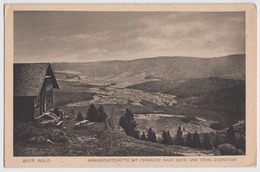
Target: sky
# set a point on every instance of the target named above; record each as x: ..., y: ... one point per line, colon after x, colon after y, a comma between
x: 96, y: 36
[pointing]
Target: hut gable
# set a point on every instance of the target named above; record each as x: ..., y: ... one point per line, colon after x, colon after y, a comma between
x: 29, y: 78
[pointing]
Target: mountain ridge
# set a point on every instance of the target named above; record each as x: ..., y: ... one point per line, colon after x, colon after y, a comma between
x: 166, y: 68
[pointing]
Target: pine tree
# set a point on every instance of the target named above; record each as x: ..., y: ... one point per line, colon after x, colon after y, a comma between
x: 151, y: 136
x: 206, y: 142
x: 189, y: 140
x: 92, y: 114
x: 169, y: 137
x: 196, y: 140
x: 166, y: 137
x: 179, y: 139
x: 217, y: 141
x: 230, y: 136
x: 136, y: 134
x: 102, y: 114
x: 127, y: 122
x: 143, y: 136
x: 80, y: 116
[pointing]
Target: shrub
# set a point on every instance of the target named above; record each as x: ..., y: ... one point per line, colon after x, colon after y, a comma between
x: 217, y: 141
x: 187, y: 119
x: 58, y: 136
x: 228, y: 149
x: 216, y: 126
x: 38, y: 140
x: 241, y: 143
x: 136, y: 134
x: 230, y: 135
x: 143, y: 136
x: 22, y: 131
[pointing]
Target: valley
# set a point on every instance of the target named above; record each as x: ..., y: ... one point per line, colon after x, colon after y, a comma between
x: 163, y: 93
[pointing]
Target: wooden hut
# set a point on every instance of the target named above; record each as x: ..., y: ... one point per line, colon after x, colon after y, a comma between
x: 33, y: 90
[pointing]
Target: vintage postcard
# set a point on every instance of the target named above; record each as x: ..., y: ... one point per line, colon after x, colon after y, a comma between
x: 130, y: 85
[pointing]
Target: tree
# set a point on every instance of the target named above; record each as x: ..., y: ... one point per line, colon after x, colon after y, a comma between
x: 230, y: 136
x: 241, y: 143
x: 189, y: 140
x: 143, y: 136
x: 79, y: 116
x: 151, y: 136
x: 179, y: 139
x: 72, y: 112
x: 217, y: 141
x: 167, y: 139
x: 136, y: 134
x: 127, y: 122
x: 170, y: 141
x: 206, y: 142
x: 196, y: 140
x: 102, y: 114
x: 92, y: 114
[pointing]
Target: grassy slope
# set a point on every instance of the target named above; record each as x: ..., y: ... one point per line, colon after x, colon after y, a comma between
x: 97, y: 142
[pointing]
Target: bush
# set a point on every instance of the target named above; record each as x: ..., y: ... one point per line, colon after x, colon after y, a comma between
x: 22, y: 131
x: 187, y: 119
x: 228, y: 149
x: 216, y: 126
x: 143, y: 136
x: 241, y: 143
x: 58, y: 136
x: 217, y: 141
x: 38, y: 140
x: 230, y: 135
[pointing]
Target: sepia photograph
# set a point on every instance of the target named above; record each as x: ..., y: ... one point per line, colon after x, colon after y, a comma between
x: 108, y: 83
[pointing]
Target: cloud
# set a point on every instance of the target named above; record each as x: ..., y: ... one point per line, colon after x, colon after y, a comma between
x: 90, y: 36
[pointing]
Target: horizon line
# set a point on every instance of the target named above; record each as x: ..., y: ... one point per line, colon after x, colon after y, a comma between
x: 214, y: 57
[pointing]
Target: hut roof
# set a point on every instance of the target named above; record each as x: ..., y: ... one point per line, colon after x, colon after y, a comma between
x: 29, y: 78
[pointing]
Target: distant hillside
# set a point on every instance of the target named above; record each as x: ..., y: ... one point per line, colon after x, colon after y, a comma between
x: 196, y: 87
x: 223, y: 95
x: 188, y: 88
x: 167, y: 68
